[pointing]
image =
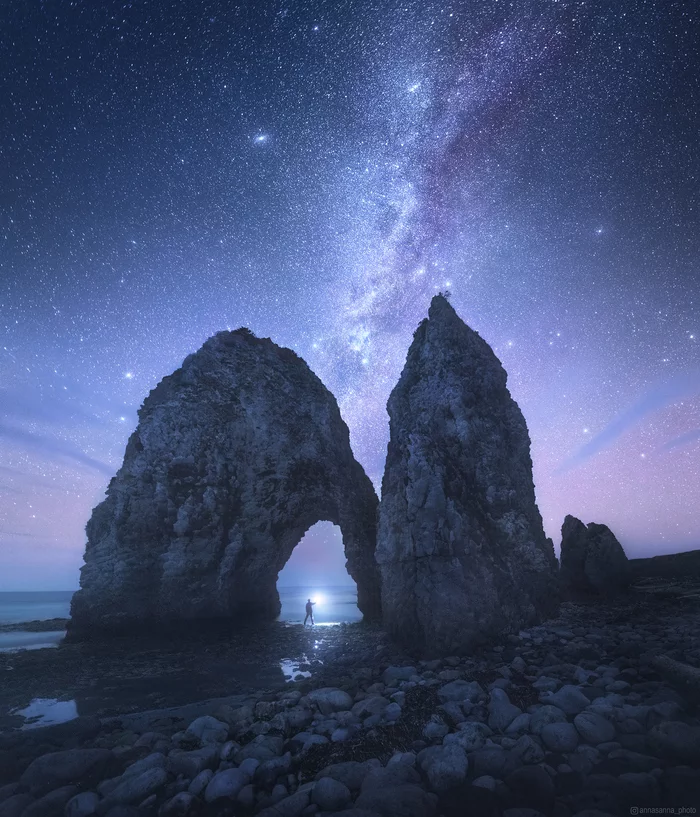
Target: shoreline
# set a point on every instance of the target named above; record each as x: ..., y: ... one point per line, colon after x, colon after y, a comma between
x: 388, y: 709
x: 48, y: 625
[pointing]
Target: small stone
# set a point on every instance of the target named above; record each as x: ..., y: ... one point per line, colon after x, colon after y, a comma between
x: 501, y: 711
x: 156, y: 760
x: 135, y: 788
x: 435, y: 730
x: 560, y: 737
x: 569, y: 699
x: 528, y: 750
x: 676, y: 740
x: 373, y: 705
x: 51, y: 804
x: 444, y: 766
x: 246, y: 796
x: 330, y: 699
x: 352, y: 773
x: 248, y: 766
x: 330, y: 794
x: 460, y: 691
x: 180, y: 805
x: 341, y: 734
x: 82, y: 805
x: 208, y: 729
x: 190, y: 764
x: 519, y: 724
x: 594, y: 728
x: 279, y: 792
x: 198, y: 786
x: 392, y: 712
x: 544, y: 715
x: 470, y: 736
x: 226, y: 784
x: 492, y: 760
x: 269, y: 770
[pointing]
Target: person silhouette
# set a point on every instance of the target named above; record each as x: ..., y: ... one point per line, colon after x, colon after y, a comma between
x: 309, y: 611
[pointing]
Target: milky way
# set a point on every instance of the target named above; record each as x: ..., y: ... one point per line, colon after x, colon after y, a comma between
x: 317, y: 171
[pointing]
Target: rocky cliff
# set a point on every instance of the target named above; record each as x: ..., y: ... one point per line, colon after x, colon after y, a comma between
x: 592, y: 560
x: 235, y: 456
x: 461, y: 548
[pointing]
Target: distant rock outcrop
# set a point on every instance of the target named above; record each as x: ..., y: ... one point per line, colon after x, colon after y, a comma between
x: 461, y: 548
x: 592, y: 560
x: 235, y: 456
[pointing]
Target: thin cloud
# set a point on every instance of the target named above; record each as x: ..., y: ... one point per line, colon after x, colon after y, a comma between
x: 664, y: 394
x: 50, y: 447
x: 58, y: 405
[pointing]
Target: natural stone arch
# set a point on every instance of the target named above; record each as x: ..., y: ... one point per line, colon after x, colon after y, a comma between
x: 236, y: 455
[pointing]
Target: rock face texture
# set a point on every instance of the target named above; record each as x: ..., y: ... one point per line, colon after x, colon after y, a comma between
x: 592, y: 560
x: 235, y: 456
x: 461, y: 548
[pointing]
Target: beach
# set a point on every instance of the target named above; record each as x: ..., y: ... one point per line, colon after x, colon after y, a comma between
x: 45, y: 682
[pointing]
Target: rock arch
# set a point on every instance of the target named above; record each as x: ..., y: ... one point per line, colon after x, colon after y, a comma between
x: 235, y: 456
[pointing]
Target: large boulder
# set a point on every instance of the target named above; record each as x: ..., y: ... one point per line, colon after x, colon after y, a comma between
x: 236, y: 455
x: 461, y: 547
x: 58, y: 769
x: 592, y: 560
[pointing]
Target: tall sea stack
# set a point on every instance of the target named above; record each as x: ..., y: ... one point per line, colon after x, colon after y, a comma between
x: 235, y: 456
x: 461, y: 548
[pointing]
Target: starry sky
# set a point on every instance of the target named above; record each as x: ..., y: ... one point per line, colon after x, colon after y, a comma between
x: 316, y: 171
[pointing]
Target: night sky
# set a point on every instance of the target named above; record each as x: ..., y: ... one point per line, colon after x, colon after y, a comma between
x: 316, y: 171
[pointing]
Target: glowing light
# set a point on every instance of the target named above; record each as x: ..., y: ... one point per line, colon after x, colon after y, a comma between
x: 260, y: 139
x: 129, y: 375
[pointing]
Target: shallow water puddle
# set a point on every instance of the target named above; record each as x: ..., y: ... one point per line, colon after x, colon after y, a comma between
x: 46, y: 711
x: 291, y: 669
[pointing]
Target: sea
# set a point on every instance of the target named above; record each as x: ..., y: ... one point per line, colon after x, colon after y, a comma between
x: 334, y: 605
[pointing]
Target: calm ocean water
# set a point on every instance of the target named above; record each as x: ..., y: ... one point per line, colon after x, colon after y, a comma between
x: 333, y: 605
x: 34, y: 606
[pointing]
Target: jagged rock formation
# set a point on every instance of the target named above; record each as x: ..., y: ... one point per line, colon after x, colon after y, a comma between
x: 461, y: 548
x: 592, y: 560
x: 235, y: 456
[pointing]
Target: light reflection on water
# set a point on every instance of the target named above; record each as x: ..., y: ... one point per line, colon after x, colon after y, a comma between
x: 46, y: 711
x: 290, y: 669
x: 335, y: 605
